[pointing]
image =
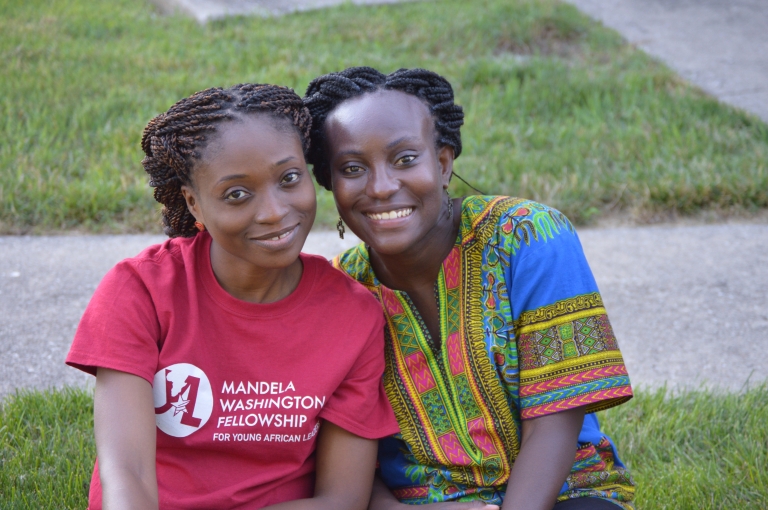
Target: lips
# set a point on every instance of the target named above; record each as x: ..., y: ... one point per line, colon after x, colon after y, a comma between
x: 390, y: 215
x: 275, y: 236
x: 279, y: 239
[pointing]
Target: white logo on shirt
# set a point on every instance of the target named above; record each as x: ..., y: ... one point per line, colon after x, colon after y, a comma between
x: 183, y: 399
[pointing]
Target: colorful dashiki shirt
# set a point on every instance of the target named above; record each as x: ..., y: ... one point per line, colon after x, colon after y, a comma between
x: 524, y: 334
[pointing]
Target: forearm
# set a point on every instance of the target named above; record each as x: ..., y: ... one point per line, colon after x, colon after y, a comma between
x: 125, y: 489
x: 546, y: 457
x: 316, y: 503
x: 125, y: 430
x: 381, y: 497
x: 345, y: 466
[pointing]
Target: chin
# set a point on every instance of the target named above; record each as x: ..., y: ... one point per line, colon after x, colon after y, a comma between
x: 390, y: 245
x: 278, y: 262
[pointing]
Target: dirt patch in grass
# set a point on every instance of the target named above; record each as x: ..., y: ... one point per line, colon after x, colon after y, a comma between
x: 547, y: 37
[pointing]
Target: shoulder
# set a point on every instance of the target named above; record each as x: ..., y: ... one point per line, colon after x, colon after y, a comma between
x: 339, y: 286
x: 512, y: 222
x: 356, y: 264
x: 156, y: 263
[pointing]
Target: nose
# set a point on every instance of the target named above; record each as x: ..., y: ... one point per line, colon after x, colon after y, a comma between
x: 381, y: 183
x: 271, y: 209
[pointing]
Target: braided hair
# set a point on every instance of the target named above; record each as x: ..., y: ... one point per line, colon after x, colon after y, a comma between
x: 327, y: 92
x: 174, y: 141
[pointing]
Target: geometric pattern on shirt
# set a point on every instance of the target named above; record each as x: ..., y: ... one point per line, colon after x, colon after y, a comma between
x: 569, y: 358
x: 595, y: 474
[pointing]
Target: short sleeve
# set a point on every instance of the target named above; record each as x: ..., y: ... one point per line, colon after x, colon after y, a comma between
x: 359, y: 404
x: 567, y: 352
x: 119, y: 329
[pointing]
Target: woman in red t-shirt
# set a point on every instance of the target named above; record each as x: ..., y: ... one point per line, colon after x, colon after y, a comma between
x: 231, y: 370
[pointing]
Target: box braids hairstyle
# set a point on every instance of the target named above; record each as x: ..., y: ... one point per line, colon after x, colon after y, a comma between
x: 174, y: 141
x: 326, y: 92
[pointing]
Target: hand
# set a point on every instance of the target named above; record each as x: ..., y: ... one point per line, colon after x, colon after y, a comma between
x: 383, y: 499
x: 472, y: 505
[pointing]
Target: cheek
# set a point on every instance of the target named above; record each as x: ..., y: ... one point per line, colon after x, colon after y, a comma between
x: 232, y: 221
x: 309, y: 199
x: 428, y: 187
x: 346, y: 192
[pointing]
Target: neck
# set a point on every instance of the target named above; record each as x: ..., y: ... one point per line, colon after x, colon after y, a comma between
x: 251, y: 283
x: 420, y: 264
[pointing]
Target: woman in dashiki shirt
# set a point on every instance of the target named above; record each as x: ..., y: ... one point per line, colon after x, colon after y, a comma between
x: 498, y: 342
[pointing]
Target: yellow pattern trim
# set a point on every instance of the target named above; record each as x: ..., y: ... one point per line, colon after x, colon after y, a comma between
x: 472, y: 318
x: 539, y: 326
x: 411, y: 435
x: 571, y: 365
x: 564, y: 307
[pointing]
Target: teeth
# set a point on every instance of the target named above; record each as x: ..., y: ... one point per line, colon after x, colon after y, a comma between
x: 391, y: 215
x: 281, y: 236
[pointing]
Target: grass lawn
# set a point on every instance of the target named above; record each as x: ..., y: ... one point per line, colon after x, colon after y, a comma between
x: 558, y: 108
x: 694, y: 450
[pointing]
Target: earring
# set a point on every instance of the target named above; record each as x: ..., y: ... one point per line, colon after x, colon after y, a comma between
x: 340, y: 228
x: 450, y: 205
x: 199, y: 226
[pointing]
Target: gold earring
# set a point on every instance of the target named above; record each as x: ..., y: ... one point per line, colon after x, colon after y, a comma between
x: 450, y: 205
x: 340, y: 228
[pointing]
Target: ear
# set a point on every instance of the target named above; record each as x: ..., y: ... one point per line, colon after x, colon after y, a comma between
x: 193, y: 205
x: 445, y: 160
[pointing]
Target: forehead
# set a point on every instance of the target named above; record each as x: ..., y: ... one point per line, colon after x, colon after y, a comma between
x: 254, y: 133
x: 381, y: 114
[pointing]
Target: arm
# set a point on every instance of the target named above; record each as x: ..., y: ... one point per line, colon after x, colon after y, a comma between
x: 124, y: 424
x: 345, y: 466
x: 383, y: 499
x: 546, y: 456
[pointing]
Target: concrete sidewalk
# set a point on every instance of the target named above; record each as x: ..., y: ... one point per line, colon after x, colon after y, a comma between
x: 718, y: 45
x: 207, y: 10
x: 45, y: 285
x: 689, y: 304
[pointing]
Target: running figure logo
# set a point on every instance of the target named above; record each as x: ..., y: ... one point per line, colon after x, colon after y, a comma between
x: 183, y: 399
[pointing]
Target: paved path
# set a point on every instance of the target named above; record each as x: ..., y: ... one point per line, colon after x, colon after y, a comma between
x: 205, y: 10
x: 689, y: 304
x: 45, y: 285
x: 719, y: 45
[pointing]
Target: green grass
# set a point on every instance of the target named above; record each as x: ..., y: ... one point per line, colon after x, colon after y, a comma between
x: 558, y: 108
x: 690, y: 450
x: 695, y: 450
x: 47, y: 449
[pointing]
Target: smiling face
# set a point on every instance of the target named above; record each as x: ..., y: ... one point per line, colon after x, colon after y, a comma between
x: 388, y: 177
x: 254, y: 194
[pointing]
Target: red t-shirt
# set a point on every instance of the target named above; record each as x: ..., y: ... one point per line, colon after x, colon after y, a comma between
x: 239, y: 388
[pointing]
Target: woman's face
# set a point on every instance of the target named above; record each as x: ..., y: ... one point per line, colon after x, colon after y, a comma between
x: 253, y: 192
x: 388, y: 178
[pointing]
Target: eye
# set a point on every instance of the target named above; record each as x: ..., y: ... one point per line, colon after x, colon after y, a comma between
x: 405, y: 160
x: 236, y: 194
x: 352, y: 170
x: 290, y: 178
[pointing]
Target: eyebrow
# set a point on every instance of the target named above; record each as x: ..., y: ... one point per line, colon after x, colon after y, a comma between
x: 231, y: 178
x: 401, y: 140
x: 284, y: 161
x: 389, y: 146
